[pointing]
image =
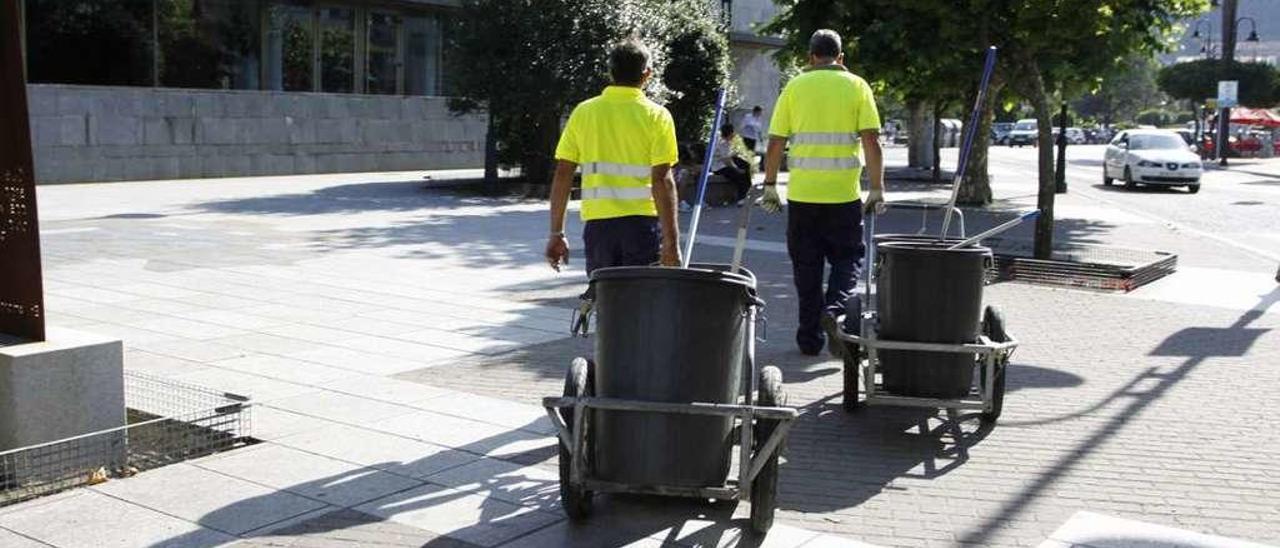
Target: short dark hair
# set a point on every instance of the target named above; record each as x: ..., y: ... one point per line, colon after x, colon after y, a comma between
x: 757, y: 108
x: 627, y: 62
x: 726, y: 130
x: 825, y: 43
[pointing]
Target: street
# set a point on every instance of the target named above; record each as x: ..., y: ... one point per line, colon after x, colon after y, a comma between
x: 397, y: 340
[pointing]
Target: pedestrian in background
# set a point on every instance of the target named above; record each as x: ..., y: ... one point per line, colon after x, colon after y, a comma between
x: 625, y: 145
x: 753, y: 129
x: 829, y: 117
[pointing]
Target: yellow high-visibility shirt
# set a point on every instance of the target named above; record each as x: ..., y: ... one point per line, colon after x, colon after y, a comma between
x: 821, y: 112
x: 617, y: 137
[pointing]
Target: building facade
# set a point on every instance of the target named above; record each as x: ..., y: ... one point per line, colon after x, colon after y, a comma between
x: 167, y: 89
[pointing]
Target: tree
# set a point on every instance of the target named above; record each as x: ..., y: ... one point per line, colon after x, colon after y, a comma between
x: 1197, y: 80
x: 1123, y: 93
x: 528, y: 62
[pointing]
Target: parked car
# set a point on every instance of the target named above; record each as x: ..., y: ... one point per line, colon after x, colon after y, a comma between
x: 1023, y: 133
x: 1151, y: 157
x: 1000, y: 132
x: 1075, y: 136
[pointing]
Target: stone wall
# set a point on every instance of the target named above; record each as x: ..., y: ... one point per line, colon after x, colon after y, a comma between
x: 91, y: 133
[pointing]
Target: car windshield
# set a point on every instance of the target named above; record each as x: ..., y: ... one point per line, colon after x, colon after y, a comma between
x: 1025, y: 126
x: 1156, y: 142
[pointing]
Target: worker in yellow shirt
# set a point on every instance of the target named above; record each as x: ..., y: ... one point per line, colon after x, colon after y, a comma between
x: 625, y: 145
x: 829, y: 117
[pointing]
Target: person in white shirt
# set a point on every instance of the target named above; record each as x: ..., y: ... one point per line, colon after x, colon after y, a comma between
x: 727, y: 164
x: 752, y: 128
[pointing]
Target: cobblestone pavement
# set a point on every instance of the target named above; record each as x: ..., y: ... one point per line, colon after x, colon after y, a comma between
x: 398, y: 341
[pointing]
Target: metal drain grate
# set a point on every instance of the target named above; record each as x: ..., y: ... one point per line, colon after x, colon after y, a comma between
x: 168, y: 422
x: 1085, y: 266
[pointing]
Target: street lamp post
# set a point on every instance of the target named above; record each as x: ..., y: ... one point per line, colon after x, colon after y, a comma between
x: 1228, y: 57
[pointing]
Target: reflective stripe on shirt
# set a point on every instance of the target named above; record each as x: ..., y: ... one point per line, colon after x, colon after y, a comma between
x: 613, y: 168
x: 616, y: 193
x: 816, y: 138
x: 824, y: 164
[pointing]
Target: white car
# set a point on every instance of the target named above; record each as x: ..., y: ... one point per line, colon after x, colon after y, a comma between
x: 1151, y: 157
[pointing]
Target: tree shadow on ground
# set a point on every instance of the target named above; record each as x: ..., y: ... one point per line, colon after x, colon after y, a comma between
x: 1198, y: 345
x: 487, y: 492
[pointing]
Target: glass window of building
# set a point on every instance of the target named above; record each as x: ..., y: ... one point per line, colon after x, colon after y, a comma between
x: 422, y: 55
x: 290, y: 48
x: 383, y: 65
x: 94, y: 42
x: 337, y: 50
x: 209, y: 43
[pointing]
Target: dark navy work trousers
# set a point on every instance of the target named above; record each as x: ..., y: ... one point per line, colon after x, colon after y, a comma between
x: 620, y: 241
x: 818, y: 236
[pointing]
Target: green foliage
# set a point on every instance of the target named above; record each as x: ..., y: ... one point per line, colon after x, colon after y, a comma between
x: 1155, y: 117
x: 1123, y: 93
x: 528, y: 62
x: 1198, y: 80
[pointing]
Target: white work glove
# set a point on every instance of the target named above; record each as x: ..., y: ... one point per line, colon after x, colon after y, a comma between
x: 771, y: 202
x: 874, y: 201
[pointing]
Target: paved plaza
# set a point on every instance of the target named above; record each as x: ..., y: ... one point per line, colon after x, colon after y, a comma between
x: 397, y: 337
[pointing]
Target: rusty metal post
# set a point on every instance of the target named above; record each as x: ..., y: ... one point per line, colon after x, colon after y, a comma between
x: 21, y: 288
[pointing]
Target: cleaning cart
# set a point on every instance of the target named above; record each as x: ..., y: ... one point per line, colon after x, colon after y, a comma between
x: 674, y: 393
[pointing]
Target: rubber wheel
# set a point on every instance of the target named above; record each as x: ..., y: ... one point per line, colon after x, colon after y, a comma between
x: 994, y: 328
x: 764, y: 489
x: 1193, y: 188
x: 1105, y: 179
x: 579, y: 381
x: 1129, y: 183
x: 852, y: 359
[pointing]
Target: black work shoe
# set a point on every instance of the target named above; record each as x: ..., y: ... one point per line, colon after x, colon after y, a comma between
x: 810, y: 344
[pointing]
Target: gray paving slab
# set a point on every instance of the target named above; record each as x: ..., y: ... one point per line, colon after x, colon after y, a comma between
x: 460, y: 515
x: 392, y: 453
x: 339, y: 407
x: 271, y: 424
x: 532, y: 486
x: 92, y: 519
x: 324, y: 479
x: 1092, y: 530
x: 284, y: 369
x: 491, y: 410
x: 472, y: 436
x: 213, y: 500
x: 256, y: 387
x: 14, y: 540
x: 346, y: 528
x: 364, y: 362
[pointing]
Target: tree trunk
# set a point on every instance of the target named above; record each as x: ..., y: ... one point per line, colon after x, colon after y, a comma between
x: 919, y: 135
x: 1044, y: 123
x: 937, y: 142
x: 539, y: 164
x: 975, y: 188
x: 491, y: 154
x: 1060, y: 175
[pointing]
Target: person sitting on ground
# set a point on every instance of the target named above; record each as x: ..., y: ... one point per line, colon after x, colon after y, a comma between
x: 729, y: 165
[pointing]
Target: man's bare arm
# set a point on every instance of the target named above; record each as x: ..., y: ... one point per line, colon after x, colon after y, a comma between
x: 875, y: 158
x: 557, y: 251
x: 665, y: 198
x: 773, y: 157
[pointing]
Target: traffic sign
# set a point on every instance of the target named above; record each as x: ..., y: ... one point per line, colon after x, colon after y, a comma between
x: 1227, y: 93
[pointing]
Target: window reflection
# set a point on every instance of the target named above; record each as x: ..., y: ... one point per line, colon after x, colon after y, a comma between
x: 383, y: 59
x: 290, y: 40
x: 337, y: 50
x: 208, y: 43
x: 423, y: 42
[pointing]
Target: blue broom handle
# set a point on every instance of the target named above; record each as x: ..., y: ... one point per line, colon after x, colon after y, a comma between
x: 969, y: 136
x: 702, y: 180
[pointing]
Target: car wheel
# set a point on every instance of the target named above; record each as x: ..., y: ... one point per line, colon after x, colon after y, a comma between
x: 1193, y: 188
x: 1129, y: 183
x: 1106, y: 179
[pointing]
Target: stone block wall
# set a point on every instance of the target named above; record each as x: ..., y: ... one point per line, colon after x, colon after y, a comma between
x: 92, y: 133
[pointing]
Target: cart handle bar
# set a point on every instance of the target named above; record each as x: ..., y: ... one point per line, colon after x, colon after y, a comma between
x: 775, y: 413
x: 983, y: 349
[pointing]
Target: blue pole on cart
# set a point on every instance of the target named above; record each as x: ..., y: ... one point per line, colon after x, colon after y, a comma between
x: 970, y: 135
x: 702, y: 180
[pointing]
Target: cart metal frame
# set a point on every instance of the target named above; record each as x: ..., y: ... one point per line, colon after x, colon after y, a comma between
x: 750, y: 462
x: 994, y: 355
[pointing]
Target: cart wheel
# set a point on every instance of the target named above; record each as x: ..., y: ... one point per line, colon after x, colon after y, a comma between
x: 993, y: 328
x: 580, y: 381
x: 764, y: 489
x: 852, y: 357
